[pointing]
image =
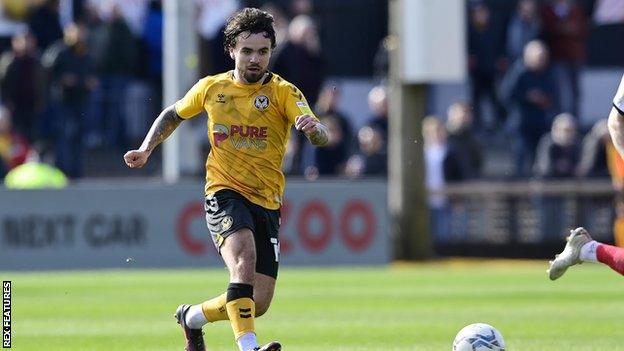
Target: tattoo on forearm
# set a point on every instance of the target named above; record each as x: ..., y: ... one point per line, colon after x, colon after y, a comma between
x: 320, y: 137
x: 163, y: 126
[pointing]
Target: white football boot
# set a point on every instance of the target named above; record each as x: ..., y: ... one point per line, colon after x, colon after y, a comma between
x: 570, y: 254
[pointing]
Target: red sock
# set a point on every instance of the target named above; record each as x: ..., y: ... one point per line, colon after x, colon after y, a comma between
x: 612, y: 256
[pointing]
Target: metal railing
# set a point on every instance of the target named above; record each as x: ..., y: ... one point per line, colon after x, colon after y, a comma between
x: 519, y: 219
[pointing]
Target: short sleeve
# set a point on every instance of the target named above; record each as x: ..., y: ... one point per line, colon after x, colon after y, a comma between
x: 618, y: 100
x: 295, y: 104
x: 193, y: 102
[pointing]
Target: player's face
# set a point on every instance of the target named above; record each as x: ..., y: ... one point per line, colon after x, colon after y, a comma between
x: 251, y: 56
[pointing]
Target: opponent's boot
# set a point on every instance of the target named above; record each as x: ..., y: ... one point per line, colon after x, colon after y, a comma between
x: 570, y: 254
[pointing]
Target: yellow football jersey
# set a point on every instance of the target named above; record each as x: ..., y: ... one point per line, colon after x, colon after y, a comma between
x: 248, y: 128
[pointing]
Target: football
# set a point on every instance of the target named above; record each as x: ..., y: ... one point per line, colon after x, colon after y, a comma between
x: 479, y: 337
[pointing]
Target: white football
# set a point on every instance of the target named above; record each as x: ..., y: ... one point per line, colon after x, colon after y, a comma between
x: 479, y: 337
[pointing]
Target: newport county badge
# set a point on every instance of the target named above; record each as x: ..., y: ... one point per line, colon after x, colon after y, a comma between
x: 261, y: 102
x: 226, y: 223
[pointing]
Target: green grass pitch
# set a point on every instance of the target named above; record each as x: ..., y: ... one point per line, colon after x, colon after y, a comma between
x: 401, y: 307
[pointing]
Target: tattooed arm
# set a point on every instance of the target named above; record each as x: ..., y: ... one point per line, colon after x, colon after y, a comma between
x: 313, y: 129
x: 163, y: 126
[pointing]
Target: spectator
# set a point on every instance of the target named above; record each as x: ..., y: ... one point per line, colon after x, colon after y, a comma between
x: 486, y: 61
x: 558, y: 153
x: 372, y: 158
x: 152, y: 37
x: 12, y: 22
x: 301, y: 7
x: 22, y: 85
x: 530, y: 92
x: 132, y: 11
x: 593, y: 161
x: 378, y: 104
x: 118, y: 65
x: 331, y: 159
x: 299, y: 60
x: 461, y: 138
x: 443, y: 165
x: 381, y: 61
x: 280, y: 23
x: 328, y: 105
x: 211, y: 18
x: 72, y: 78
x: 557, y: 157
x: 45, y: 24
x: 565, y: 33
x: 13, y: 147
x: 525, y: 26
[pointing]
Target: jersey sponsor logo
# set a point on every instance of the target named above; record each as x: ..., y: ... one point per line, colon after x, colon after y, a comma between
x: 261, y: 102
x: 219, y: 133
x: 240, y: 136
x: 220, y: 98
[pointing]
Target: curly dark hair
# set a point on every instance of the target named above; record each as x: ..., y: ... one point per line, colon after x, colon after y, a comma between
x: 250, y: 20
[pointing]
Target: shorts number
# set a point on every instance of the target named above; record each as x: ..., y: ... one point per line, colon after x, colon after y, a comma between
x: 276, y: 248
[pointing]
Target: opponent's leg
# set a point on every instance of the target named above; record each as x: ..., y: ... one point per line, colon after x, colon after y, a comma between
x: 612, y: 256
x: 582, y: 248
x: 570, y: 254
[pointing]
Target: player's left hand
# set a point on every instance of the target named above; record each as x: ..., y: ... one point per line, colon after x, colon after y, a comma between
x: 306, y: 124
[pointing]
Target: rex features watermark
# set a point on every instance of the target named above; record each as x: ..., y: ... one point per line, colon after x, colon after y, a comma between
x: 6, y: 314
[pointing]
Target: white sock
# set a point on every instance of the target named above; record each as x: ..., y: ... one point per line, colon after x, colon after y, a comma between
x: 588, y: 252
x: 247, y: 342
x: 195, y: 318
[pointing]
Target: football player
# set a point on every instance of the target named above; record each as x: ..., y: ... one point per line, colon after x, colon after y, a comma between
x: 250, y: 114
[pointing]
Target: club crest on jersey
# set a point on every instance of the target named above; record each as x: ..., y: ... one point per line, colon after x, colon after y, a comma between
x: 226, y: 223
x: 261, y: 102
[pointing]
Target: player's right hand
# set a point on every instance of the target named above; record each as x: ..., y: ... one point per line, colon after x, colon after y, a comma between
x: 136, y: 158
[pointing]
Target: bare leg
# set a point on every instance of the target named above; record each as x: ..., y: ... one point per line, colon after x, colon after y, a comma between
x: 263, y: 293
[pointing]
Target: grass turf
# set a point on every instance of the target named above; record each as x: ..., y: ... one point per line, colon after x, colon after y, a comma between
x: 403, y: 307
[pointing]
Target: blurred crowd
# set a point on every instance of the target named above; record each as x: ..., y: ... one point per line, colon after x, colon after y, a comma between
x: 523, y: 66
x: 69, y: 73
x: 87, y: 74
x: 75, y: 75
x: 524, y: 69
